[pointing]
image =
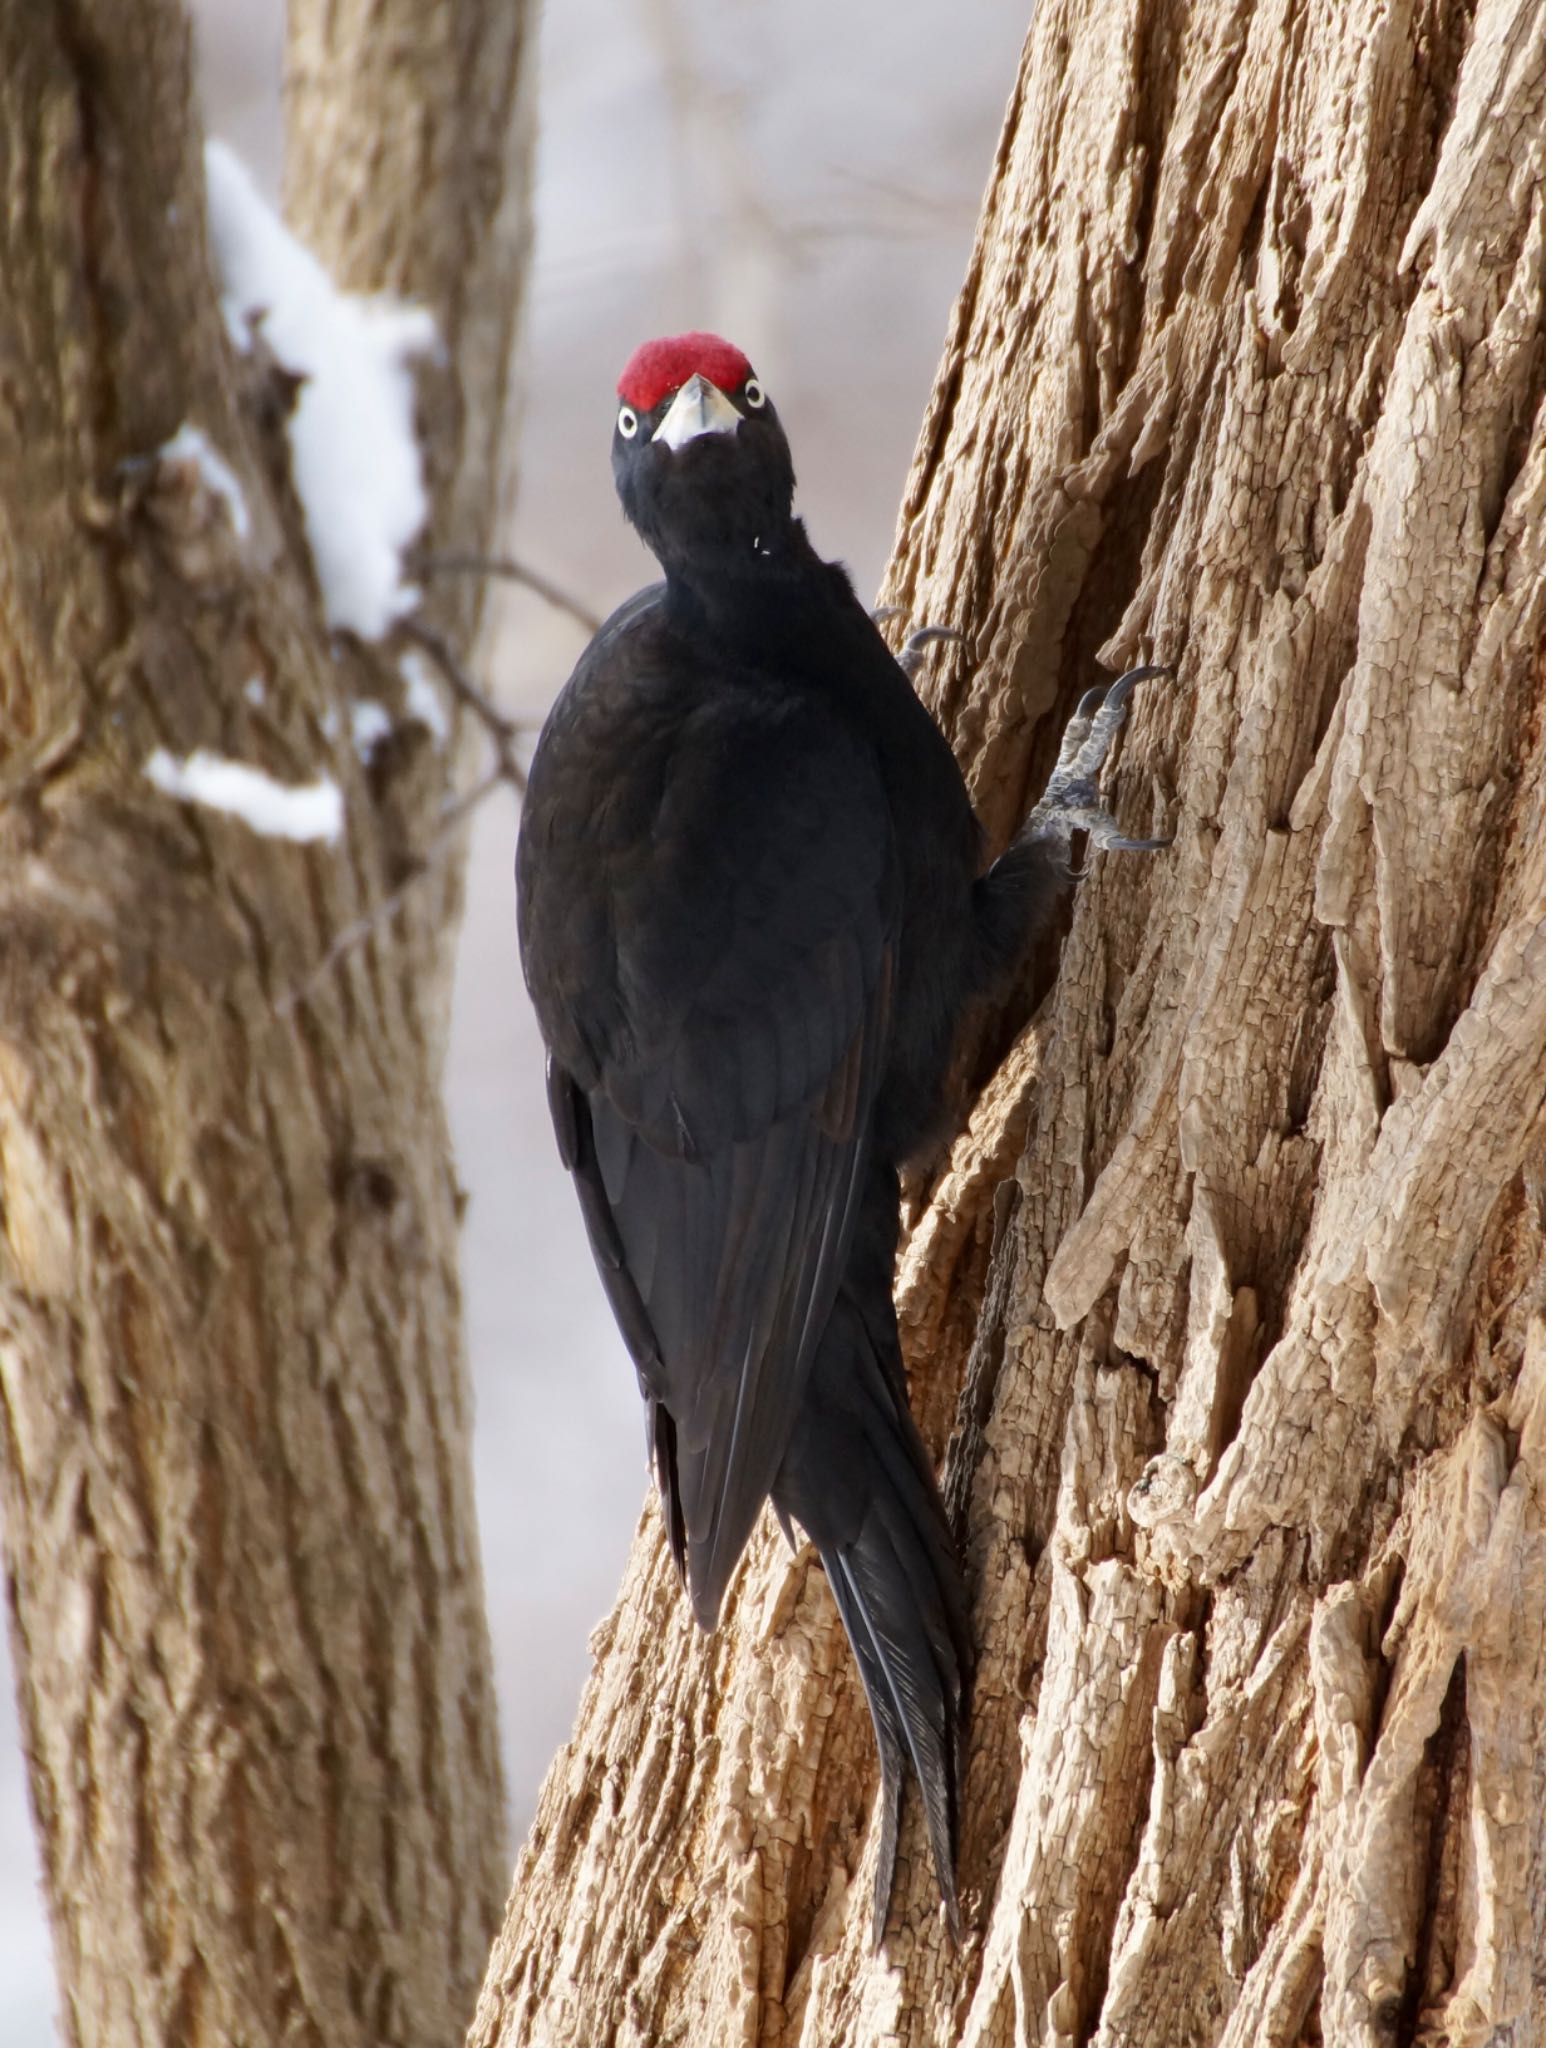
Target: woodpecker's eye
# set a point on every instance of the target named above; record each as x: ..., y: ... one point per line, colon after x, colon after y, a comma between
x: 755, y: 396
x: 627, y: 422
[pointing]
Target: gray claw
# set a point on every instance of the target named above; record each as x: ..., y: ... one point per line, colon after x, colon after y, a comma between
x: 1125, y: 685
x: 910, y: 660
x: 1105, y: 835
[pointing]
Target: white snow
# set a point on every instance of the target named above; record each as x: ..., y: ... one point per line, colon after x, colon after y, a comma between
x: 353, y: 450
x: 237, y: 325
x: 192, y: 444
x: 254, y: 690
x: 423, y: 700
x: 277, y: 810
x: 371, y: 722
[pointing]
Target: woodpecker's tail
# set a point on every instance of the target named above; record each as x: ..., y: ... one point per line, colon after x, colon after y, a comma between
x: 857, y: 1478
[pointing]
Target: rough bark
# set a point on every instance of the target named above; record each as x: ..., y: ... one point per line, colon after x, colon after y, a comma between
x: 244, y: 1582
x: 1231, y: 1284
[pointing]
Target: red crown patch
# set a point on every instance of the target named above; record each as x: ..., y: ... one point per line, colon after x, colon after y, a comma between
x: 658, y: 367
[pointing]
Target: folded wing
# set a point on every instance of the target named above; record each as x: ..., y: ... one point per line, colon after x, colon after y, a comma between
x: 711, y: 950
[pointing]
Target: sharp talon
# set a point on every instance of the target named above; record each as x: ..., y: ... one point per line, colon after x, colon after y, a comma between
x: 1107, y: 721
x: 910, y: 660
x: 1088, y: 705
x: 885, y: 612
x: 1117, y: 844
x: 1125, y: 685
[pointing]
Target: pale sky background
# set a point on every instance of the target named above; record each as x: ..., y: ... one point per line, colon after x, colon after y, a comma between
x: 803, y: 176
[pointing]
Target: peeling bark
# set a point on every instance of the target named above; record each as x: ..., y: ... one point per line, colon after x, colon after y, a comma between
x: 1233, y: 1283
x: 244, y: 1583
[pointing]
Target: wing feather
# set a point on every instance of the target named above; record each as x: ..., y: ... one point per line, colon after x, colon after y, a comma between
x: 711, y: 956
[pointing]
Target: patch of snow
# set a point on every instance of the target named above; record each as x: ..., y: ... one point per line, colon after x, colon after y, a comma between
x: 254, y: 691
x: 276, y: 810
x: 371, y: 723
x: 192, y: 444
x: 354, y: 452
x: 237, y: 325
x: 423, y: 700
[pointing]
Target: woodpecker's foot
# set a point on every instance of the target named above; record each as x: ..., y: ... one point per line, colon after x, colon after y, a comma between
x: 1071, y: 802
x: 910, y: 660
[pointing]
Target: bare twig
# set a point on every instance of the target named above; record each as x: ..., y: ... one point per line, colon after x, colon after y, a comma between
x: 502, y: 730
x: 502, y: 734
x: 463, y: 562
x: 382, y: 912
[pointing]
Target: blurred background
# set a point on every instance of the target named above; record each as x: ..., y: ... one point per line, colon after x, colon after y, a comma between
x: 803, y: 177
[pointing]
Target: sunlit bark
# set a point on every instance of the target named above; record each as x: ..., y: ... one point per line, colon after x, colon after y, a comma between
x: 1222, y: 1309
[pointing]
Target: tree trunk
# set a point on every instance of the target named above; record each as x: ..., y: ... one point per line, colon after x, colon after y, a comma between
x: 245, y: 1591
x: 1231, y: 1282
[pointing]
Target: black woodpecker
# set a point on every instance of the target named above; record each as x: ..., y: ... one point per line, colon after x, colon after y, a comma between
x: 753, y: 911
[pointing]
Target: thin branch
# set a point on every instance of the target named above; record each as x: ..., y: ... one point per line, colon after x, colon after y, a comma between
x: 502, y: 734
x: 381, y: 913
x: 464, y: 562
x: 502, y: 730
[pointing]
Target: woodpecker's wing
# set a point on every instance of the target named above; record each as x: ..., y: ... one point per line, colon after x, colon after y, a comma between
x: 709, y: 909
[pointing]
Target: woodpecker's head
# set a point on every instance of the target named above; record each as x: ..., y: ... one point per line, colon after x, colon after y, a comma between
x: 701, y: 462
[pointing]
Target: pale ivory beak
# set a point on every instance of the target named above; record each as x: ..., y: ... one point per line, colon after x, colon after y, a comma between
x: 698, y: 408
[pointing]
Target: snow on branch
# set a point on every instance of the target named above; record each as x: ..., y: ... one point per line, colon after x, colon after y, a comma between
x: 276, y: 810
x: 354, y: 453
x: 190, y: 444
x: 422, y: 699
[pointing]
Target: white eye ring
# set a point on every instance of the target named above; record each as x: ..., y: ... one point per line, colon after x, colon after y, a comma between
x: 628, y: 422
x: 754, y: 394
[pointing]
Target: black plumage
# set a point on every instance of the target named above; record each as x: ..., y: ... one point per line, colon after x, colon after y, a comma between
x: 751, y: 915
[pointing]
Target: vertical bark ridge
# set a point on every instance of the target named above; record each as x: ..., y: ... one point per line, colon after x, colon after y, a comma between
x: 243, y: 1571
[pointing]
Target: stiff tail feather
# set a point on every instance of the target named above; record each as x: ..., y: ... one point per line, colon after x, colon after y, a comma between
x: 857, y: 1478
